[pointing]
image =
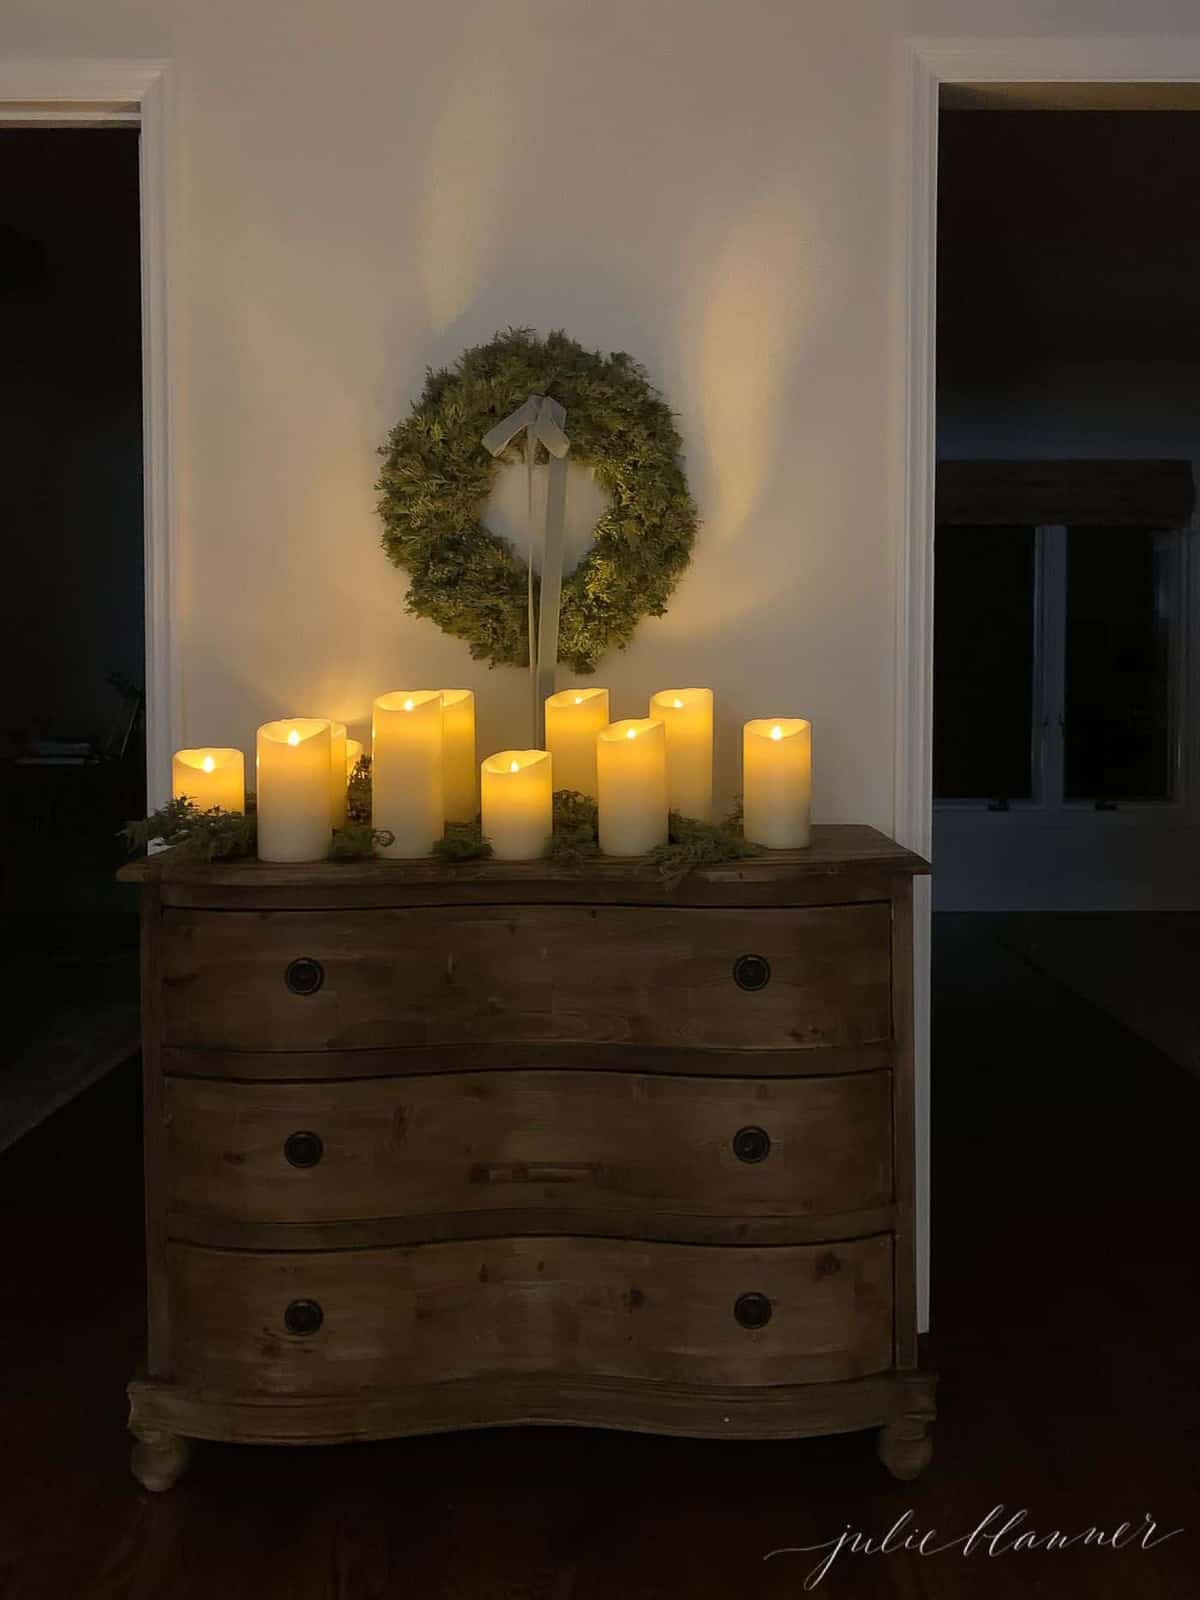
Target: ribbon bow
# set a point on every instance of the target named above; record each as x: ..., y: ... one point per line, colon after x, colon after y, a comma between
x: 542, y: 421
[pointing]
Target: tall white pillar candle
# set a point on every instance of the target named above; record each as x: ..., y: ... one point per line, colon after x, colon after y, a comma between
x: 631, y: 773
x: 210, y: 777
x: 777, y: 781
x: 517, y: 799
x: 294, y: 813
x: 406, y: 770
x: 460, y: 773
x: 337, y: 773
x: 687, y: 716
x: 574, y: 718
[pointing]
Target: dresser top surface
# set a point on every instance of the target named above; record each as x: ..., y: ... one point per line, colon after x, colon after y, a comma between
x: 849, y: 852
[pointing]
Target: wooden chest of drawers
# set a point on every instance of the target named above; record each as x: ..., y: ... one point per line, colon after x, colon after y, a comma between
x: 433, y: 1148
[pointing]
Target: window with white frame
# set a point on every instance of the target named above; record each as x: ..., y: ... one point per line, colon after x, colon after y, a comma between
x: 1059, y: 665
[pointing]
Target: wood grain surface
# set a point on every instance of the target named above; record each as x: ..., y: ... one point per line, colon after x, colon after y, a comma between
x: 447, y: 976
x: 845, y: 862
x: 459, y: 1143
x: 428, y: 1313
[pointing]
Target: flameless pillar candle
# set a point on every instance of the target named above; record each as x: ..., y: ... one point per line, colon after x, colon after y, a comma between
x: 777, y: 781
x: 406, y: 770
x: 337, y: 773
x: 354, y: 749
x: 518, y: 790
x: 294, y: 814
x: 687, y: 716
x: 210, y: 778
x: 574, y: 717
x: 631, y: 773
x: 459, y: 773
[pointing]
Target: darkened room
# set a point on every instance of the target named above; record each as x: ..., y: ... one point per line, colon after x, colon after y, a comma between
x: 558, y: 1137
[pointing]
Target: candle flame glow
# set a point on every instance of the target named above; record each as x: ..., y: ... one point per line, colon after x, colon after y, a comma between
x: 208, y: 764
x: 777, y: 732
x: 631, y: 733
x: 293, y: 737
x: 578, y: 699
x: 677, y: 703
x: 408, y: 705
x: 515, y: 767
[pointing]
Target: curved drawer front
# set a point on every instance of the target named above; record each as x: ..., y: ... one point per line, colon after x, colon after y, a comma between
x: 337, y: 1321
x: 539, y: 1141
x: 657, y: 977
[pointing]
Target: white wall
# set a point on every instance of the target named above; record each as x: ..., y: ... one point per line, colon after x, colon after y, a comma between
x: 366, y: 188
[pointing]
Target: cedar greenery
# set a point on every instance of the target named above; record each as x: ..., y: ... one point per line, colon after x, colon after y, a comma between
x: 574, y: 838
x: 213, y: 835
x: 690, y: 843
x: 357, y: 841
x: 218, y: 835
x: 462, y: 841
x: 358, y: 792
x: 437, y: 476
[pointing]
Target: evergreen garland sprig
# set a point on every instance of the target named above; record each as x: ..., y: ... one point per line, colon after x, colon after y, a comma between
x: 437, y: 476
x: 462, y: 841
x: 195, y: 835
x: 574, y: 829
x: 217, y: 835
x: 358, y: 841
x: 690, y: 842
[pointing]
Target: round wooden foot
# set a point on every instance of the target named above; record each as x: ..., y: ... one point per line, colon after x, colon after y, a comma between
x: 159, y: 1459
x: 905, y: 1448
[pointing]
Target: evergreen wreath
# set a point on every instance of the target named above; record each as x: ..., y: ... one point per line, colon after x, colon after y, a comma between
x: 437, y: 476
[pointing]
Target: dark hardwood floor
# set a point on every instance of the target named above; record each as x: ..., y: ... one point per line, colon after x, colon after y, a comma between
x: 1066, y: 1309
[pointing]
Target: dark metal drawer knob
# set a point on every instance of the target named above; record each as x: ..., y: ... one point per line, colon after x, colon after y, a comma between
x: 304, y: 975
x: 752, y: 972
x: 751, y: 1144
x: 303, y: 1149
x: 752, y: 1310
x: 303, y: 1316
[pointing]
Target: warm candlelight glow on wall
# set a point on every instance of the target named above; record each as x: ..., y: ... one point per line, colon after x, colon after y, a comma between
x: 687, y: 716
x: 294, y: 811
x: 574, y: 717
x: 631, y: 775
x: 777, y: 782
x: 460, y: 772
x: 517, y: 797
x: 406, y: 770
x: 210, y: 777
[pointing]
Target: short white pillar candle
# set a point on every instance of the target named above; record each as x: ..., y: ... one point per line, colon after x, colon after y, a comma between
x: 460, y: 773
x: 337, y: 773
x: 777, y: 782
x: 631, y: 773
x: 687, y: 716
x: 406, y: 770
x: 574, y: 717
x: 518, y: 790
x: 294, y: 814
x: 354, y: 751
x: 210, y: 777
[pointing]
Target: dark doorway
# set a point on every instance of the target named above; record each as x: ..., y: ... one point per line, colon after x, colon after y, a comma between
x: 1066, y: 933
x: 72, y: 740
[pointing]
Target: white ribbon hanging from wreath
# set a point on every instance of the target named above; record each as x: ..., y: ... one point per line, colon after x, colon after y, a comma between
x: 543, y: 421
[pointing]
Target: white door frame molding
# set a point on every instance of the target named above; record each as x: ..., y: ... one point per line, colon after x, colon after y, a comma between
x: 69, y: 93
x: 925, y: 65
